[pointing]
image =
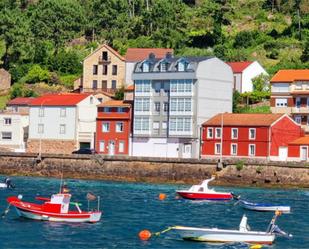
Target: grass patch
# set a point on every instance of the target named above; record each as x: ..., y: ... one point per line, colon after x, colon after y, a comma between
x: 256, y: 109
x: 3, y: 100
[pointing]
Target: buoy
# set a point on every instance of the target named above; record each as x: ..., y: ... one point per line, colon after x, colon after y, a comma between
x: 162, y: 196
x: 144, y: 235
x: 256, y: 246
x: 278, y: 213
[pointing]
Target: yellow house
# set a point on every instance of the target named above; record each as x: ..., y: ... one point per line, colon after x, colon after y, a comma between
x: 103, y: 71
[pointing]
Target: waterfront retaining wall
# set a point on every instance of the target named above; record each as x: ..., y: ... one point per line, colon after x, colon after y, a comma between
x: 242, y: 173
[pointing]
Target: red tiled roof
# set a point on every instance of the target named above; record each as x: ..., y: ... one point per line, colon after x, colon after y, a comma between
x: 244, y: 119
x: 301, y: 140
x: 240, y: 66
x: 62, y: 99
x: 139, y: 54
x: 290, y: 75
x: 20, y: 101
x: 114, y: 103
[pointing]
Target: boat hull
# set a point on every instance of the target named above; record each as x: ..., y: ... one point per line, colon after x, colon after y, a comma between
x: 265, y: 207
x: 205, y: 196
x: 224, y: 236
x: 91, y: 217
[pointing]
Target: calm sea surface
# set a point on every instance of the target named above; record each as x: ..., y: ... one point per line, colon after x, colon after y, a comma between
x: 131, y: 207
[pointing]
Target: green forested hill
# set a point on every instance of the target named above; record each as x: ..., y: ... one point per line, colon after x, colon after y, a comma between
x: 46, y: 40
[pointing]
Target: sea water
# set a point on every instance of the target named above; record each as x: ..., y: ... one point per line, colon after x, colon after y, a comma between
x: 129, y: 208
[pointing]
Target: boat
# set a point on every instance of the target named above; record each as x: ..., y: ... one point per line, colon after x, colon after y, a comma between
x: 202, y: 192
x: 7, y: 183
x: 243, y: 234
x: 55, y: 208
x: 264, y: 207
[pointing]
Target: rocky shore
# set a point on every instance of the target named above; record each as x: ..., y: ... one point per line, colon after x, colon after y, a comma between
x: 157, y: 170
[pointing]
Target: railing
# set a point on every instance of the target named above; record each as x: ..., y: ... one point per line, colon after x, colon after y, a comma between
x: 104, y: 60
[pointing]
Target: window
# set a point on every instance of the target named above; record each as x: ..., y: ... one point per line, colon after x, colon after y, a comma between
x: 281, y: 102
x: 181, y: 66
x: 120, y: 109
x: 164, y: 125
x: 142, y: 86
x: 233, y: 149
x: 217, y: 149
x: 298, y: 102
x: 105, y: 55
x: 7, y: 121
x: 165, y: 106
x: 166, y: 87
x: 114, y: 84
x: 163, y: 67
x: 181, y: 104
x: 298, y: 119
x: 145, y: 67
x: 41, y: 112
x: 6, y: 135
x: 155, y: 127
x: 142, y: 104
x: 234, y: 133
x: 157, y: 106
x: 104, y: 71
x: 252, y: 133
x: 102, y: 146
x: 119, y: 127
x: 141, y: 124
x: 105, y: 127
x: 40, y: 128
x: 114, y: 70
x: 94, y: 84
x: 251, y: 149
x: 104, y: 84
x: 107, y: 109
x: 157, y: 87
x: 121, y: 146
x: 62, y: 112
x: 181, y: 86
x: 218, y: 133
x: 210, y: 132
x: 298, y: 86
x: 62, y: 129
x: 180, y: 124
x: 95, y: 69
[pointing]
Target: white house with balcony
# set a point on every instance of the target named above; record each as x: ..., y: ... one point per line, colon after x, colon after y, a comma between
x: 13, y: 131
x: 172, y: 98
x: 62, y: 123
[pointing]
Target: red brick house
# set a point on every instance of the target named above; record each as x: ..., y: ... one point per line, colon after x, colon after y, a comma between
x: 113, y: 128
x: 298, y: 149
x: 249, y: 135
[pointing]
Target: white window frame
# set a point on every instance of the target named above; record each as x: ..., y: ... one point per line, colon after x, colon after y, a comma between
x: 105, y: 126
x: 217, y: 145
x: 142, y: 105
x: 41, y: 112
x: 252, y: 138
x: 232, y: 153
x: 145, y: 67
x: 281, y: 102
x: 212, y: 132
x: 216, y: 132
x: 121, y: 148
x: 7, y: 121
x: 63, y: 112
x: 249, y: 150
x: 62, y: 129
x: 6, y: 135
x: 40, y: 128
x: 232, y: 133
x: 120, y: 127
x: 102, y: 146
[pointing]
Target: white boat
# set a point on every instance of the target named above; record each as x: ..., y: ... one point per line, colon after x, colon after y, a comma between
x: 202, y: 192
x: 264, y: 207
x: 215, y: 235
x: 3, y: 185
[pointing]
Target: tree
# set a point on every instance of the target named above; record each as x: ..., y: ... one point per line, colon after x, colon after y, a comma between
x: 261, y: 88
x: 305, y: 55
x: 37, y: 74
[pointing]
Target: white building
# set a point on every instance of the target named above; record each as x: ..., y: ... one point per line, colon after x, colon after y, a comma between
x: 172, y: 98
x: 62, y: 123
x: 244, y: 72
x: 13, y: 131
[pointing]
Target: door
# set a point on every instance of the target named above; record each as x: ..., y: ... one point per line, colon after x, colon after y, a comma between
x: 283, y: 153
x: 111, y: 147
x: 187, y: 151
x: 304, y: 153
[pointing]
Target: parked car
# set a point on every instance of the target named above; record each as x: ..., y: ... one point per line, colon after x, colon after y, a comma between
x: 84, y: 151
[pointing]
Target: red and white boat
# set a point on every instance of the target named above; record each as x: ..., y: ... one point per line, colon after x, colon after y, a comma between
x: 202, y: 192
x: 55, y: 208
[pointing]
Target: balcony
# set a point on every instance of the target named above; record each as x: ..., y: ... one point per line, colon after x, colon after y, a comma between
x: 300, y: 110
x: 99, y: 90
x: 104, y: 60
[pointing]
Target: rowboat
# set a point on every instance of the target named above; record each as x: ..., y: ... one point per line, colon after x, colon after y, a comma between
x: 202, y: 192
x: 264, y: 207
x: 215, y: 235
x: 55, y: 208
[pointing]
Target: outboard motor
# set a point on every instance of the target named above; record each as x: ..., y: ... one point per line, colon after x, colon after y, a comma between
x: 8, y: 183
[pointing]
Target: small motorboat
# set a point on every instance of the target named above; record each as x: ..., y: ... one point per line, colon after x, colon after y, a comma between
x: 202, y: 192
x: 7, y: 183
x: 264, y: 207
x: 215, y: 235
x: 55, y: 208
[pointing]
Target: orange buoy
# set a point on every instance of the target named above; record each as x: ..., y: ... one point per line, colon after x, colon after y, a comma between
x: 162, y: 196
x: 144, y: 235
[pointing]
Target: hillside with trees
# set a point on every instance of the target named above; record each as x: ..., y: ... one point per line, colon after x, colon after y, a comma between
x: 46, y: 40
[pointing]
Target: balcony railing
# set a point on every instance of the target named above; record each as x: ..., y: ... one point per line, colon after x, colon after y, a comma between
x: 103, y: 60
x: 300, y: 109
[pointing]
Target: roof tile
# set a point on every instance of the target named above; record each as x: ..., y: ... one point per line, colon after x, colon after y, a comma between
x: 239, y: 67
x: 290, y: 75
x: 61, y: 99
x: 139, y: 54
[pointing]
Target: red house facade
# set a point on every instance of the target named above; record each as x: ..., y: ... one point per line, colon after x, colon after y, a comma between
x: 113, y: 128
x: 298, y: 149
x: 249, y: 135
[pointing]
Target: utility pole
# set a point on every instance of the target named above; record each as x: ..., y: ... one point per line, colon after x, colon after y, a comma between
x: 299, y: 26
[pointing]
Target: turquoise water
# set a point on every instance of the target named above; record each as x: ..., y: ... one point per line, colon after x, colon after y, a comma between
x: 131, y: 207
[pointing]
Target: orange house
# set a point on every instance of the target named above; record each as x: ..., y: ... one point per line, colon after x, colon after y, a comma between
x: 113, y: 128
